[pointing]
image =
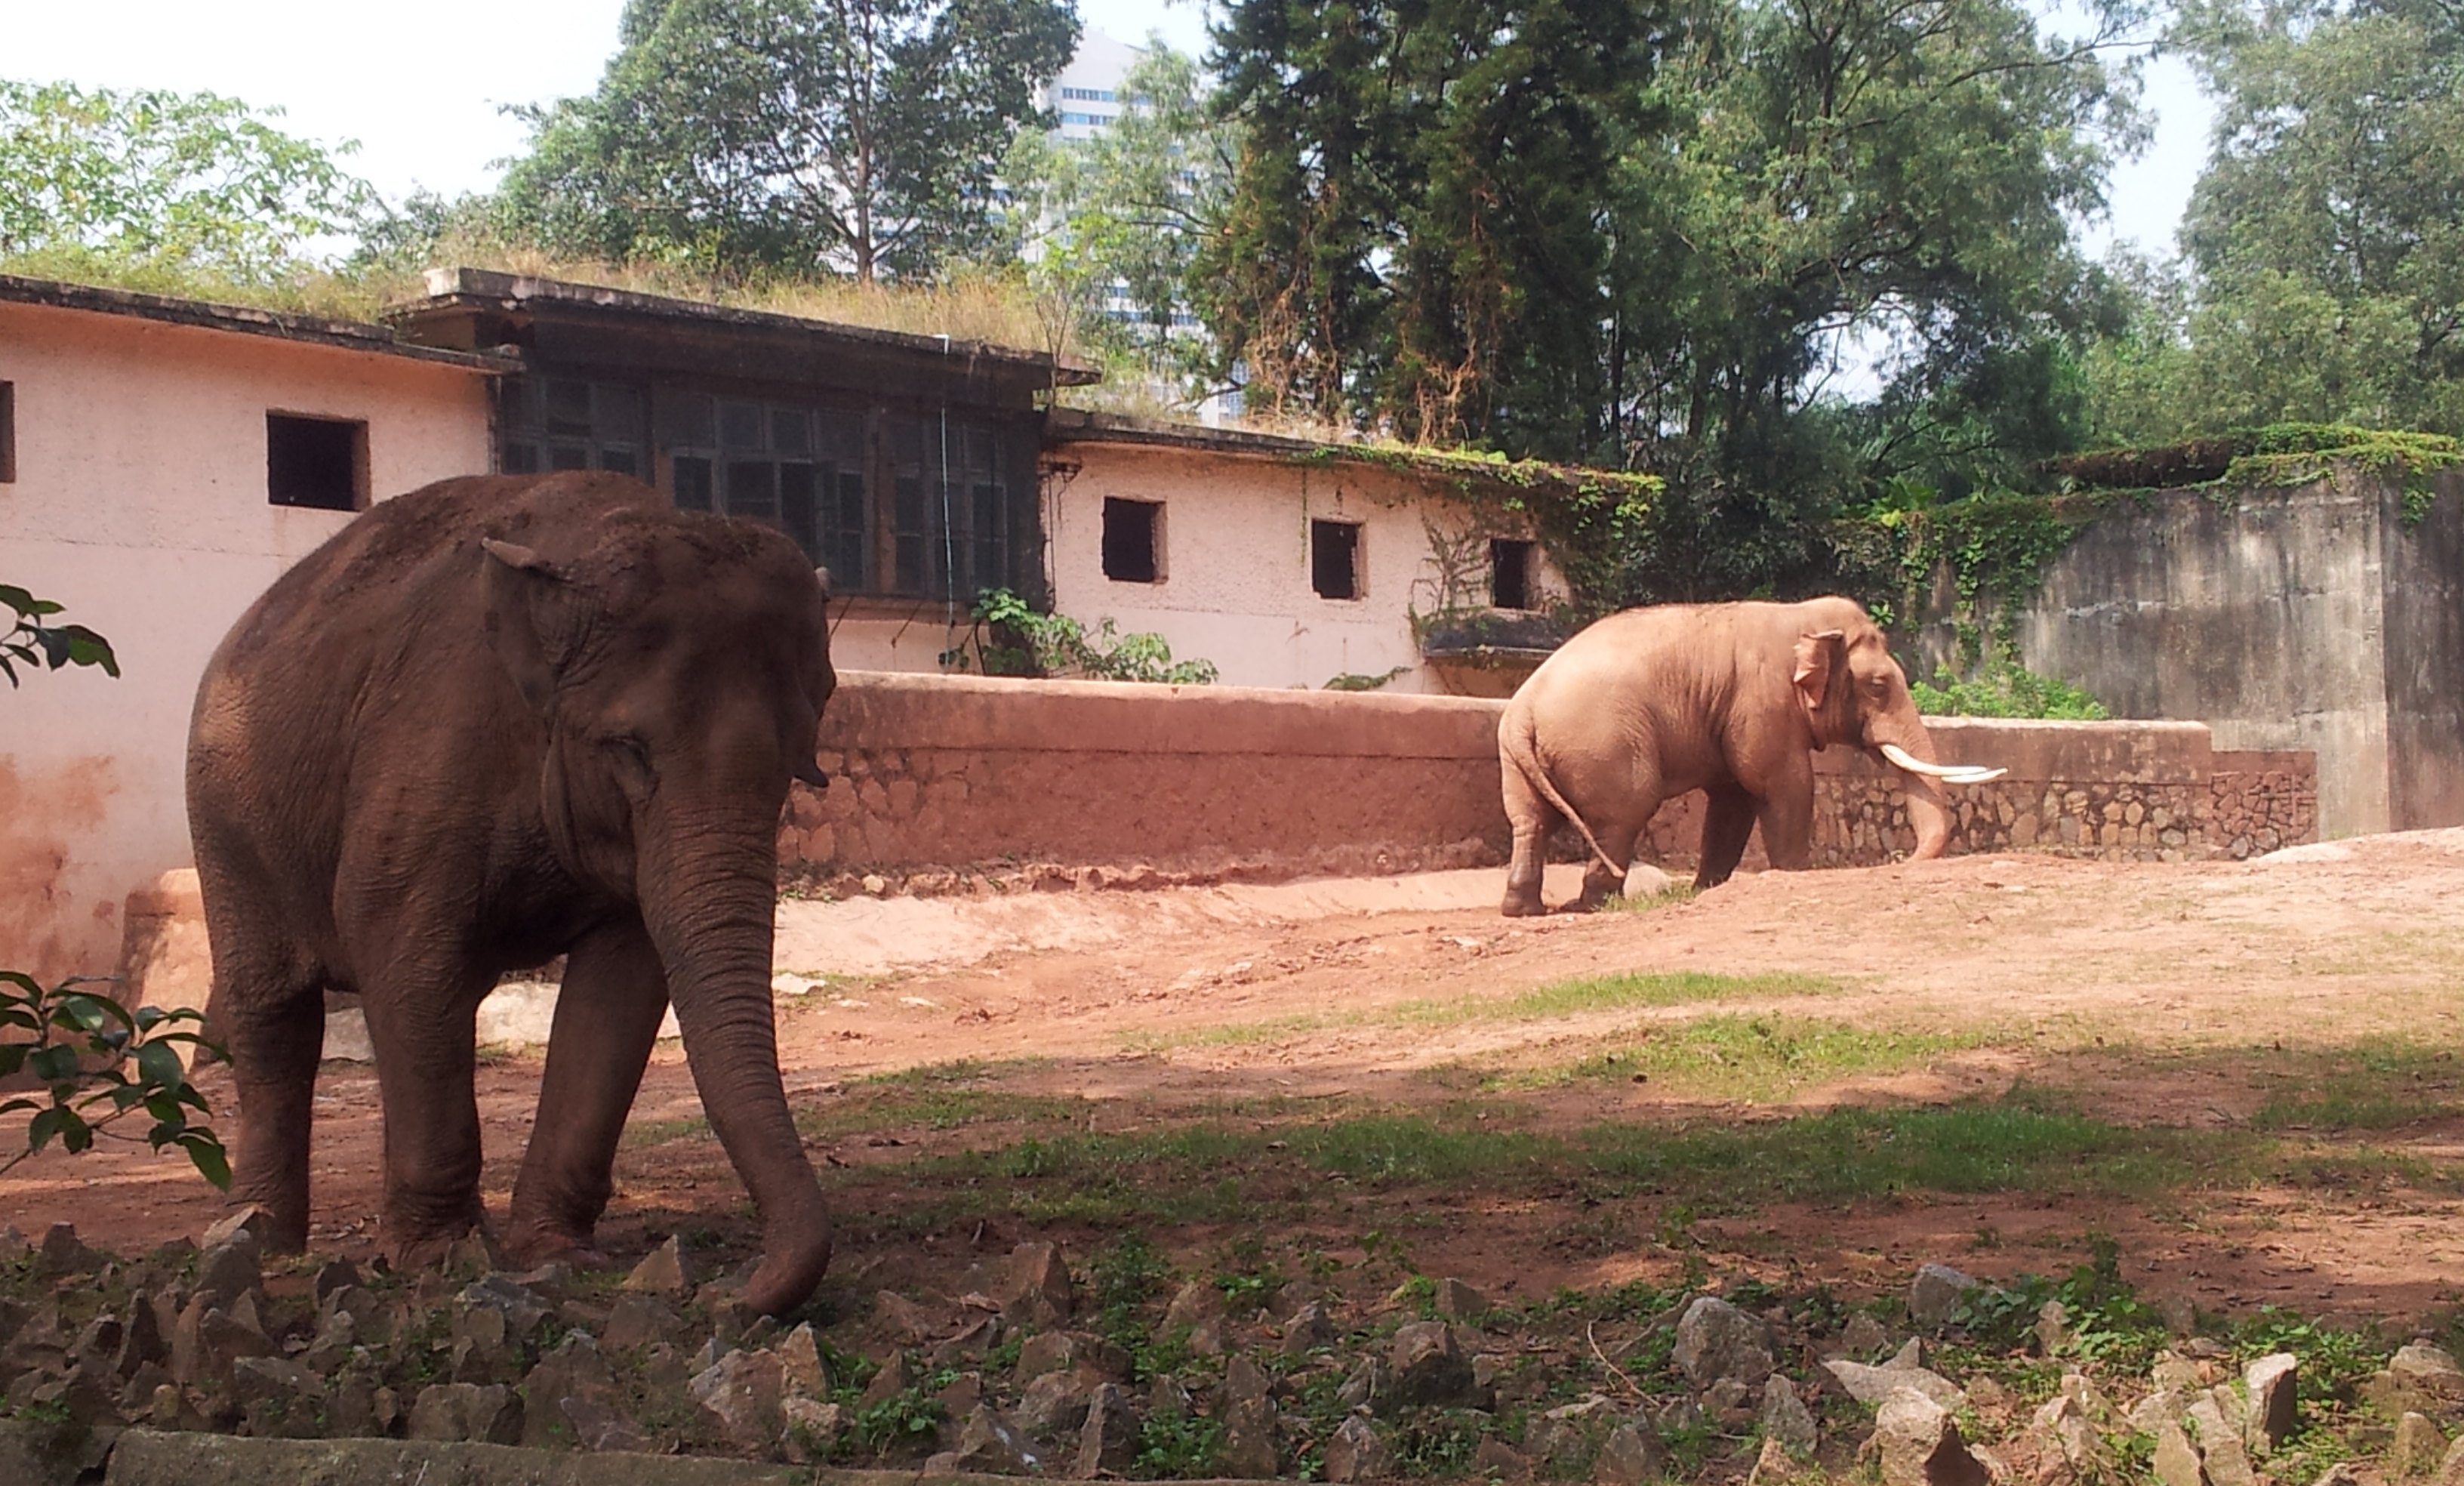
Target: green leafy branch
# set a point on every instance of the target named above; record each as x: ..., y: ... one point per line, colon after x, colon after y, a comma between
x: 1010, y: 638
x: 101, y: 1063
x: 34, y: 643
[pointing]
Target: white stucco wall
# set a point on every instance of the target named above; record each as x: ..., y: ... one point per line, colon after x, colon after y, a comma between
x: 1236, y: 588
x: 139, y: 503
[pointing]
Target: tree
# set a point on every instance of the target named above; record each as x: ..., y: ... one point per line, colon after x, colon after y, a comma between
x: 1646, y: 232
x: 1130, y: 209
x: 2324, y: 279
x: 851, y: 135
x: 194, y: 182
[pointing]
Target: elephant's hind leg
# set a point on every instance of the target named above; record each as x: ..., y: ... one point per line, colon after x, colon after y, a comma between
x: 1727, y: 822
x: 607, y: 1020
x: 268, y: 1009
x: 1602, y: 882
x: 1534, y: 821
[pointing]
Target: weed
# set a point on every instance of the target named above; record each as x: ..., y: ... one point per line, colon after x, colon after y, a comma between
x: 1760, y: 1057
x: 1177, y: 1447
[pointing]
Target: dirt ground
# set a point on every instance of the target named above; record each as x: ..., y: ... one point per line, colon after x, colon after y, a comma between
x: 2281, y: 1031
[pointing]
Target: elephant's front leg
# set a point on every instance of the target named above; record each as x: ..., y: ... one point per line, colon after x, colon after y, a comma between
x: 607, y: 1017
x: 1788, y: 821
x: 420, y: 1013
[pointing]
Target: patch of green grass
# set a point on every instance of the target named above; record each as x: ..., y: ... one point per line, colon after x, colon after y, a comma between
x: 934, y: 1109
x: 2377, y: 1085
x: 646, y: 1134
x: 1754, y: 1058
x: 1581, y: 996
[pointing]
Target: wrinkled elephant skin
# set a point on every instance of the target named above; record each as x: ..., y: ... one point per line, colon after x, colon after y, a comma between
x: 492, y: 722
x: 1732, y: 699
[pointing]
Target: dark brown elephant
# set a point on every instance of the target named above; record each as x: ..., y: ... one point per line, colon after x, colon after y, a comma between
x: 492, y: 722
x: 1732, y: 699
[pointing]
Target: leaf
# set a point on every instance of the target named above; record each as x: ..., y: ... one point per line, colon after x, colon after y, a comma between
x: 158, y: 1063
x: 44, y: 1124
x: 206, y: 1154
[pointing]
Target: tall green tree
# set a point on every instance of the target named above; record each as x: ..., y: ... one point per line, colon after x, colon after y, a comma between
x: 1129, y: 212
x: 851, y: 136
x: 2324, y: 275
x: 1654, y: 232
x: 181, y: 182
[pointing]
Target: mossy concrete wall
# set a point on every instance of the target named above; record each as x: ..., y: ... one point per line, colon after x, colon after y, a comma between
x: 2312, y: 618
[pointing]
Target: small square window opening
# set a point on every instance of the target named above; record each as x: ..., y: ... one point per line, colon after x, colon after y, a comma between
x: 1334, y: 559
x: 7, y: 432
x: 318, y: 463
x: 1133, y: 541
x: 1509, y: 574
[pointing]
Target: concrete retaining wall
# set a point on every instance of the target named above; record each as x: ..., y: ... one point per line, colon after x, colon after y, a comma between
x: 940, y: 782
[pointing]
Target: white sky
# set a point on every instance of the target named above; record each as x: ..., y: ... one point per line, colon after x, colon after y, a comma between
x: 420, y: 86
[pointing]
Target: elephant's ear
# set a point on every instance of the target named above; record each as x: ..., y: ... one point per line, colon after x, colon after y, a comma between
x: 529, y: 600
x: 1824, y: 688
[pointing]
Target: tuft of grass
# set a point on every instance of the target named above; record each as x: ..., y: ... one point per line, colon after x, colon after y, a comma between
x: 2378, y: 1085
x: 1759, y: 1058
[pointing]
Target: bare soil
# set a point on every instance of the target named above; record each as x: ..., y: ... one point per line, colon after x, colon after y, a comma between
x: 2190, y: 1002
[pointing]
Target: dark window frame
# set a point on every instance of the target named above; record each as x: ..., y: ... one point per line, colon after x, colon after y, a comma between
x: 1133, y: 540
x: 549, y: 422
x: 1325, y: 550
x: 7, y: 432
x: 315, y: 462
x: 1510, y: 573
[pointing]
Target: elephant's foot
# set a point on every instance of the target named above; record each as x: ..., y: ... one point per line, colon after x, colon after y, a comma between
x: 287, y: 1231
x: 528, y: 1246
x: 1520, y: 904
x: 795, y: 1254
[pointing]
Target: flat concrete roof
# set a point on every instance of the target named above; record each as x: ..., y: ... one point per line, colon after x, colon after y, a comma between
x: 240, y: 320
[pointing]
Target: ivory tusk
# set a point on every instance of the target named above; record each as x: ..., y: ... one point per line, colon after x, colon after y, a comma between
x: 1948, y: 773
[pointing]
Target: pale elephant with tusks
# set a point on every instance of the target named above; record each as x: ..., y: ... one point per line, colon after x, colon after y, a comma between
x: 1732, y: 699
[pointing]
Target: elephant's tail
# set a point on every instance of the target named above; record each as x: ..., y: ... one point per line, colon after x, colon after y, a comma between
x: 1521, y: 745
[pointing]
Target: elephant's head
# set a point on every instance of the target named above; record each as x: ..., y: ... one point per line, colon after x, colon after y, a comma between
x: 1855, y: 694
x: 679, y: 664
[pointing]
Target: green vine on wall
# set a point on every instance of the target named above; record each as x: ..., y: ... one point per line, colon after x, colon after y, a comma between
x: 1997, y: 548
x: 2299, y: 453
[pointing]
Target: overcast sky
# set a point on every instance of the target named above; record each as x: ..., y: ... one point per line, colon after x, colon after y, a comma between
x: 421, y: 87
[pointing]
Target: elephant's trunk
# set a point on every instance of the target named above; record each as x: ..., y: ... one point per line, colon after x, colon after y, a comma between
x: 708, y: 901
x: 1928, y: 810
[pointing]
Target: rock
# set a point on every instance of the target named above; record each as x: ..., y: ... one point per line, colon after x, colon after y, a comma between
x: 522, y: 1310
x: 661, y: 1273
x: 1935, y: 1294
x: 1168, y: 1399
x: 1499, y: 1461
x: 2177, y: 1459
x: 892, y: 1380
x: 468, y: 1255
x: 269, y: 1388
x: 1193, y: 1303
x: 1770, y: 1465
x: 63, y: 1253
x: 1862, y: 1337
x: 253, y: 1222
x: 336, y: 1334
x: 1425, y: 1367
x: 1873, y: 1385
x: 2272, y: 1385
x: 467, y: 1411
x: 991, y: 1443
x: 1245, y: 1382
x: 1055, y: 1404
x: 334, y: 1275
x: 2341, y: 1473
x: 2061, y: 1429
x: 2422, y: 1368
x: 1919, y: 1446
x: 230, y: 1269
x: 799, y: 1363
x: 2417, y: 1446
x: 1715, y: 1341
x: 1249, y: 1450
x: 2221, y: 1452
x: 1071, y: 1351
x: 970, y: 1344
x: 1206, y: 1339
x: 208, y: 1341
x: 575, y: 1370
x: 812, y: 1430
x: 740, y: 1396
x: 1309, y: 1331
x: 1458, y: 1302
x: 2093, y: 1404
x: 1729, y: 1403
x: 140, y: 1338
x: 1353, y: 1453
x: 1910, y: 1355
x: 2451, y: 1466
x: 960, y: 1397
x: 2053, y: 1329
x: 1631, y: 1455
x: 597, y: 1426
x: 902, y: 1320
x: 2151, y: 1414
x: 1107, y: 1439
x: 1036, y: 1288
x: 1785, y: 1418
x: 482, y: 1350
x: 635, y: 1323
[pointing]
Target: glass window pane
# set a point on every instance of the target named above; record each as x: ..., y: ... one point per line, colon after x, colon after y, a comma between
x: 790, y: 433
x: 568, y: 456
x: 752, y: 489
x: 568, y: 406
x: 686, y: 420
x: 692, y: 483
x: 517, y: 404
x: 618, y: 460
x: 519, y: 458
x: 796, y: 508
x: 911, y: 563
x: 739, y: 425
x: 616, y: 415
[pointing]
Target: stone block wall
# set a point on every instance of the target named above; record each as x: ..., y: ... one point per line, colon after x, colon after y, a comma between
x: 940, y: 784
x: 2259, y: 800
